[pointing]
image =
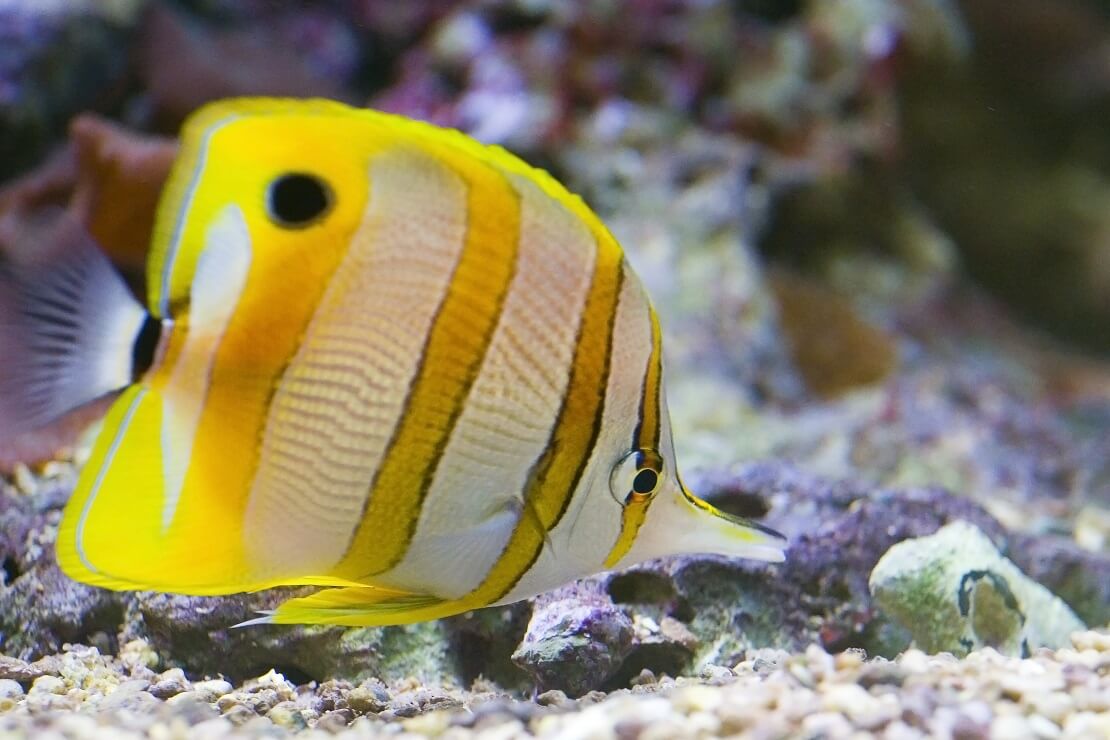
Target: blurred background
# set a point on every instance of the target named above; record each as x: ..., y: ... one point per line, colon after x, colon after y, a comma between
x: 877, y: 231
x: 880, y: 146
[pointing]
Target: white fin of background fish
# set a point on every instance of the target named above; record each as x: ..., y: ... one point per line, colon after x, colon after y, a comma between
x: 67, y: 326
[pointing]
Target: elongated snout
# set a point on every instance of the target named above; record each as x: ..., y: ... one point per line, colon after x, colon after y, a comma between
x: 681, y: 523
x: 727, y: 534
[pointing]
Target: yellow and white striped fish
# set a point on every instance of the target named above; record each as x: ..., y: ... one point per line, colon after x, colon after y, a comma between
x: 376, y: 356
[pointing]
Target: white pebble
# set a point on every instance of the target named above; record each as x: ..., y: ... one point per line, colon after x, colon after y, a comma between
x: 899, y: 730
x: 1091, y: 640
x: 696, y: 699
x: 1088, y: 725
x: 826, y: 725
x: 210, y: 691
x: 48, y: 685
x: 915, y: 661
x: 1011, y: 727
x: 10, y: 689
x: 1054, y: 705
x: 1043, y: 727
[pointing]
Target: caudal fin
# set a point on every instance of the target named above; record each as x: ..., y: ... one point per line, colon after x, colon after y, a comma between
x: 68, y: 328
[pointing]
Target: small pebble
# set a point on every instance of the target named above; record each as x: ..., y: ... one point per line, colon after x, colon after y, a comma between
x: 553, y: 698
x: 644, y: 678
x: 690, y: 699
x: 169, y: 683
x: 48, y: 685
x: 335, y: 720
x: 11, y: 693
x: 238, y: 714
x: 428, y: 724
x: 986, y: 696
x: 288, y: 715
x: 10, y: 689
x: 212, y: 690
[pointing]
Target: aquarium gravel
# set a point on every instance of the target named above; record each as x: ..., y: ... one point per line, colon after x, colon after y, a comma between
x: 1052, y: 694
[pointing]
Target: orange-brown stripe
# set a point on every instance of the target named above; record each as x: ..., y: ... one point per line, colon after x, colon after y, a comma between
x: 556, y: 474
x: 452, y: 356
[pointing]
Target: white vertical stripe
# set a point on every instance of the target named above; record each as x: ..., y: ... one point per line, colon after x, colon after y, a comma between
x: 221, y: 273
x: 184, y: 210
x: 586, y: 533
x: 475, y: 499
x: 343, y: 393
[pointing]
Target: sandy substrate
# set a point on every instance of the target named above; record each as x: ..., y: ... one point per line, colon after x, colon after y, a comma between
x: 1052, y: 694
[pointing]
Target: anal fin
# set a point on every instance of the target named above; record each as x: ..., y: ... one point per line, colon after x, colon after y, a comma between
x: 356, y: 607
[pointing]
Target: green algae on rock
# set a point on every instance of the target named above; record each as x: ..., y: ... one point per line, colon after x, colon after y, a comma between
x: 956, y: 593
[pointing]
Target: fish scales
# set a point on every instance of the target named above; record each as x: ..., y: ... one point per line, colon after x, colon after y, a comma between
x: 450, y: 358
x: 541, y: 312
x: 648, y: 430
x: 392, y: 324
x: 587, y: 528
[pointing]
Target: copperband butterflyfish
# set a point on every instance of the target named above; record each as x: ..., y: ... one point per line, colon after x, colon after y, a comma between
x: 376, y: 356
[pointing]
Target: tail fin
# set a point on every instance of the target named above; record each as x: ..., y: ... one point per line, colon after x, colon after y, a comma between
x: 68, y: 327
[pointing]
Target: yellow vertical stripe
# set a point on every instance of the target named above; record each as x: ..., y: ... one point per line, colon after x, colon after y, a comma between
x: 451, y: 359
x: 557, y: 472
x: 345, y: 388
x: 646, y: 438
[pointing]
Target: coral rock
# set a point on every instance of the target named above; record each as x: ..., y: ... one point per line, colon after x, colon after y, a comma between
x: 576, y: 640
x: 955, y: 593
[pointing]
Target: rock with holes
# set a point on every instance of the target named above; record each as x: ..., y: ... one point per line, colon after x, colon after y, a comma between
x: 956, y: 593
x: 197, y: 633
x: 40, y: 609
x: 1078, y: 575
x: 838, y: 531
x: 576, y: 640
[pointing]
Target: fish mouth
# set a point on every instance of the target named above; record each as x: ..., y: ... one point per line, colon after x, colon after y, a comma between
x: 737, y: 535
x: 741, y: 521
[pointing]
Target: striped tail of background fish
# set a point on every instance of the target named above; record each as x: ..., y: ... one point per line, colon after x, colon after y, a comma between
x: 376, y: 356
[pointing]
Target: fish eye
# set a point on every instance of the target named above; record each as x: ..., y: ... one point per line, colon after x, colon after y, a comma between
x: 298, y: 199
x: 645, y: 481
x: 637, y: 476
